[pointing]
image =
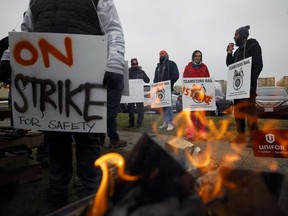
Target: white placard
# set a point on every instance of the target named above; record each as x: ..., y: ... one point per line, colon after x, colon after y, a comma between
x: 136, y: 90
x: 161, y: 94
x: 239, y: 78
x: 198, y: 94
x: 57, y: 81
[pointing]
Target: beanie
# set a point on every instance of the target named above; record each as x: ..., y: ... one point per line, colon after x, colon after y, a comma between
x: 244, y: 31
x: 163, y: 52
x: 134, y: 61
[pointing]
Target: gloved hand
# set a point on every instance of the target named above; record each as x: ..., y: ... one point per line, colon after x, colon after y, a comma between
x: 5, y: 71
x: 112, y: 79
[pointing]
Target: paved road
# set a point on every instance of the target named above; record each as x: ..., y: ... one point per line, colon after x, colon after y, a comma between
x: 222, y: 153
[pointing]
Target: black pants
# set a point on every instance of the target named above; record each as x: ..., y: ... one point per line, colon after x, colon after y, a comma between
x: 114, y: 94
x: 87, y: 151
x: 140, y: 111
x: 246, y: 109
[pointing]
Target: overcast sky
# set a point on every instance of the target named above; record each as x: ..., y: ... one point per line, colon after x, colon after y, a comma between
x: 182, y: 26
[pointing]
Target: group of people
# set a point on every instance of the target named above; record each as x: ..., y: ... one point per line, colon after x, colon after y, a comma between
x: 244, y: 109
x: 99, y: 17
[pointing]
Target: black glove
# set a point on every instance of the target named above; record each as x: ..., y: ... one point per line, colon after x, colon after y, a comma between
x: 5, y: 71
x: 112, y: 79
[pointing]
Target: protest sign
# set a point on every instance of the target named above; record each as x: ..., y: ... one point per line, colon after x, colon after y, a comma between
x: 57, y: 81
x: 270, y: 143
x: 161, y: 94
x: 136, y: 92
x: 198, y: 94
x: 239, y: 78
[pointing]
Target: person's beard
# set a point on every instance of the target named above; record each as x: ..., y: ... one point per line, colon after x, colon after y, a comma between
x: 162, y: 59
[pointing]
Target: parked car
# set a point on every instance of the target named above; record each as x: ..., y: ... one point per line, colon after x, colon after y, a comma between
x: 272, y: 101
x: 222, y: 105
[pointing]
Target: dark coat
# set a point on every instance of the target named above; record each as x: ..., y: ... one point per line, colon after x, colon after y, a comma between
x: 137, y: 73
x: 253, y: 49
x: 77, y: 16
x: 170, y: 72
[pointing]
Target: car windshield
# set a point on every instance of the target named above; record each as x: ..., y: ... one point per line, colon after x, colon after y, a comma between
x: 271, y: 92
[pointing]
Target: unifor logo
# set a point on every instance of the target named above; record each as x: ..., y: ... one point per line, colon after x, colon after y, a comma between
x: 270, y: 138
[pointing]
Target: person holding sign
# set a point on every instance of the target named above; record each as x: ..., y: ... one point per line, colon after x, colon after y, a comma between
x: 197, y: 122
x: 135, y: 72
x: 245, y: 108
x: 166, y: 70
x: 87, y: 17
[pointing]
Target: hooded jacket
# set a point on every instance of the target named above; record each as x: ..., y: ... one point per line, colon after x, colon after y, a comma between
x: 195, y: 72
x: 78, y: 17
x: 167, y: 70
x: 250, y: 49
x: 138, y: 73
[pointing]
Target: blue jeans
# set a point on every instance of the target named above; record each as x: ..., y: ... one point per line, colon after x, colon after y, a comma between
x: 87, y: 151
x: 167, y: 114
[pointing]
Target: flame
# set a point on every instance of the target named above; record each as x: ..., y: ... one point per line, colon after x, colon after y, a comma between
x: 205, y: 159
x: 105, y: 162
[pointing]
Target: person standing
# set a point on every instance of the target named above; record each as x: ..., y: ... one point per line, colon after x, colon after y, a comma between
x: 135, y: 72
x: 166, y: 70
x: 246, y: 108
x: 197, y: 123
x: 90, y: 17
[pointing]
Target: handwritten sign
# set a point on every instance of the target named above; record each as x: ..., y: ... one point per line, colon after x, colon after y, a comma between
x: 161, y: 94
x: 136, y: 90
x: 239, y: 78
x: 57, y: 81
x: 198, y: 94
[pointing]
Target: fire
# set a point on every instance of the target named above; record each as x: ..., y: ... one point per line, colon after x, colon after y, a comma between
x: 106, y: 163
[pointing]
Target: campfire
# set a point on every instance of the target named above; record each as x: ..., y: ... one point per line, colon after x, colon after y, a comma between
x: 154, y: 181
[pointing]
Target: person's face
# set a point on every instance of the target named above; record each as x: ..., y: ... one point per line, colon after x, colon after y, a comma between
x: 197, y: 57
x: 238, y: 39
x: 162, y: 56
x: 134, y: 65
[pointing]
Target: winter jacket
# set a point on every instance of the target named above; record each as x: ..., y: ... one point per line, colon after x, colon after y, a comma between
x: 137, y: 73
x: 170, y: 72
x: 194, y: 72
x: 79, y: 17
x: 252, y: 48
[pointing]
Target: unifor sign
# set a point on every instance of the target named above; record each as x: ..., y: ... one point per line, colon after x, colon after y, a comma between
x: 57, y: 81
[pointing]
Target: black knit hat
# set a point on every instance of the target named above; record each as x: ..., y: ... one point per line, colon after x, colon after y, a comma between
x: 244, y: 31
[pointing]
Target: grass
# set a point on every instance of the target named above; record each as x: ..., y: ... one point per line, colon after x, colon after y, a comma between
x: 220, y: 128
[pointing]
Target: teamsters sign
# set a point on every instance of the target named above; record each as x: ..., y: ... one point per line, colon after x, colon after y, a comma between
x: 57, y: 81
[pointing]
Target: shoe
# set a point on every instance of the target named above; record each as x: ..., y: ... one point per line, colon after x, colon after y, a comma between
x: 239, y: 139
x: 163, y: 125
x: 170, y: 127
x: 117, y: 143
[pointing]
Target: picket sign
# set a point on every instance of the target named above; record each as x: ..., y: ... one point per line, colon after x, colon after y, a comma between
x: 57, y: 81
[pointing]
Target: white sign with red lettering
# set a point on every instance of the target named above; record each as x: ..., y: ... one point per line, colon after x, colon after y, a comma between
x: 57, y: 81
x: 198, y: 94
